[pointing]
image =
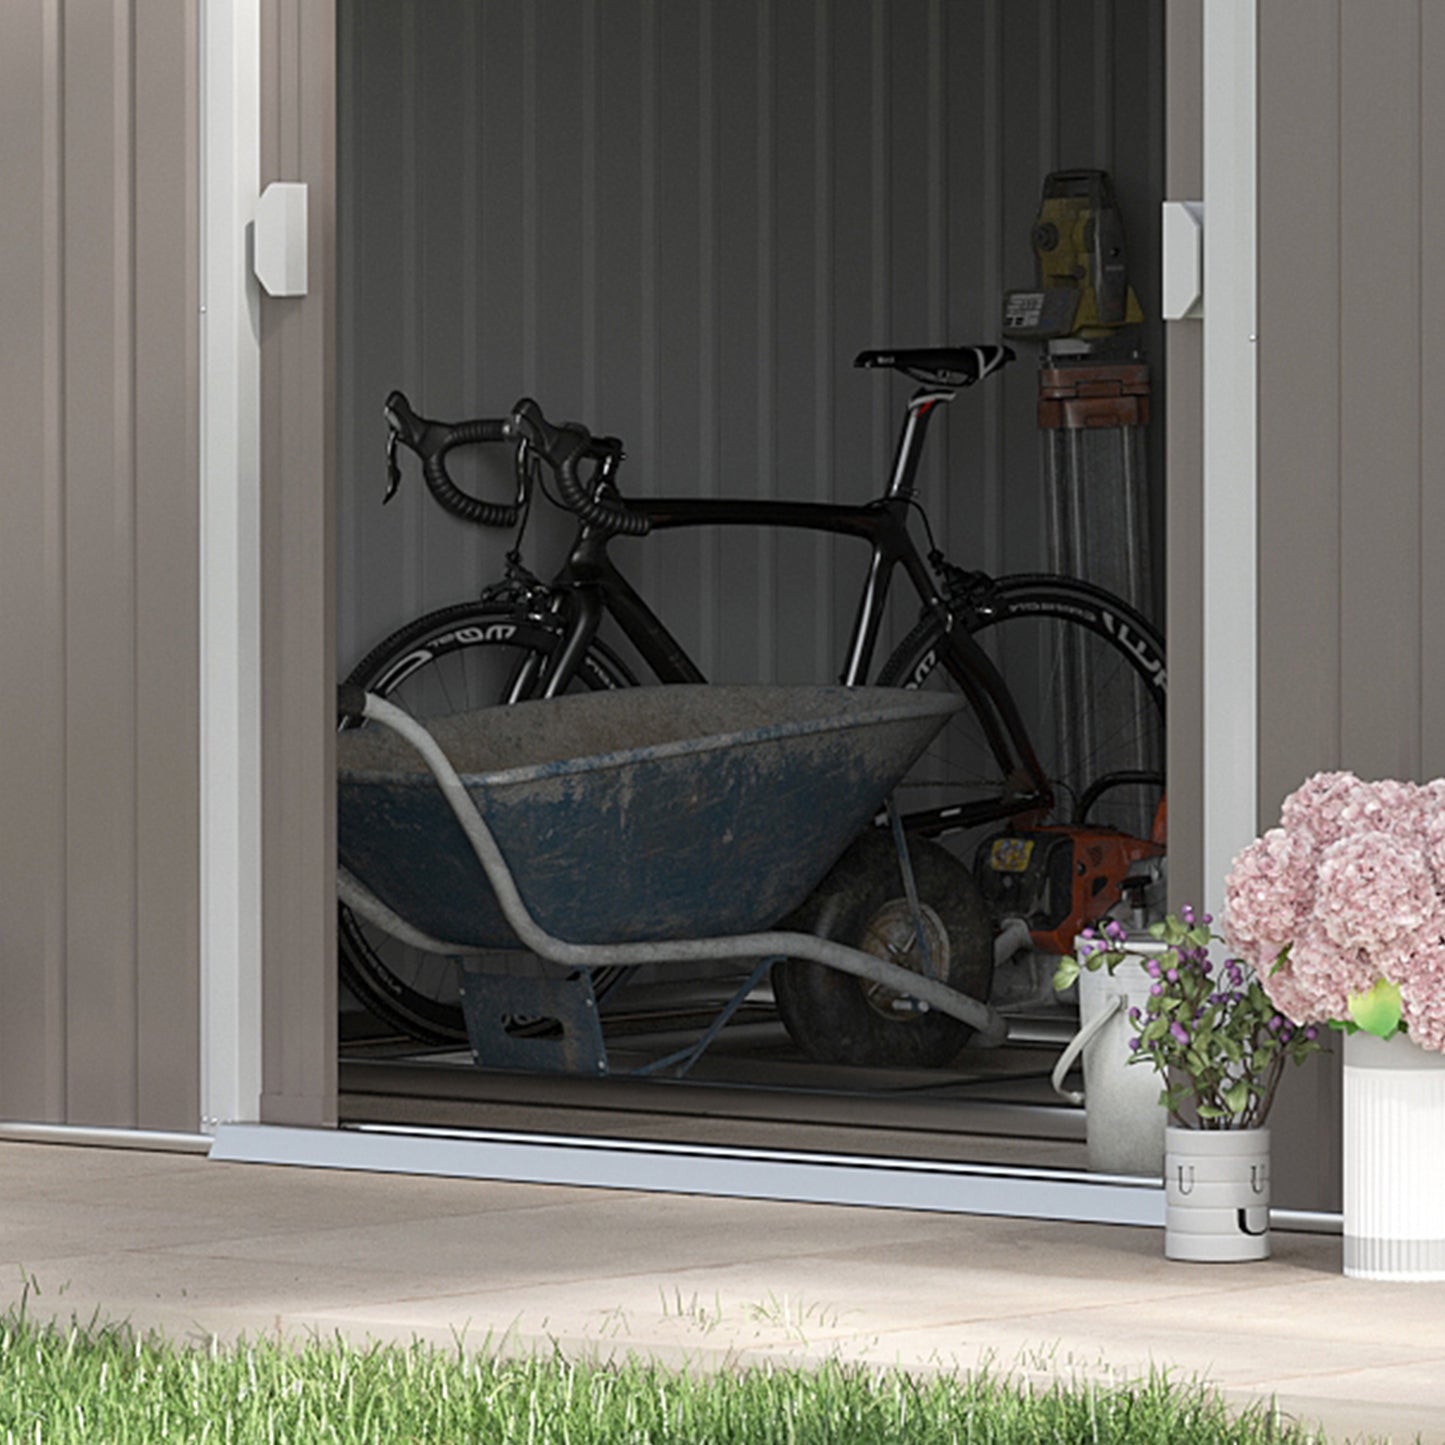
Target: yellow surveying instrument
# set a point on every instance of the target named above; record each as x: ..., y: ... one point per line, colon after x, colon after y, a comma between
x: 1083, y: 284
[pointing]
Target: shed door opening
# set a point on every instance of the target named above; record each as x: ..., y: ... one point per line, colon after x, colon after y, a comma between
x: 680, y: 224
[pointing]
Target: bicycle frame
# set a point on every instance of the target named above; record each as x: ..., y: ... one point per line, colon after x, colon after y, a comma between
x: 589, y: 586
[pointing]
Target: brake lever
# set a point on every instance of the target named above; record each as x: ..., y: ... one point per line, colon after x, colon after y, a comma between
x: 393, y: 470
x: 524, y: 471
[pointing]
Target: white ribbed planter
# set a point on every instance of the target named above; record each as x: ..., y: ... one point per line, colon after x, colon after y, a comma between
x: 1394, y: 1159
x: 1216, y: 1194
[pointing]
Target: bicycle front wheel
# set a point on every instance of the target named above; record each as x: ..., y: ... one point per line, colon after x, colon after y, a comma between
x: 456, y: 660
x: 1087, y: 674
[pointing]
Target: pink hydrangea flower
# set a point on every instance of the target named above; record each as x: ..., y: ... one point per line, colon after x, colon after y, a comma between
x: 1353, y: 881
x: 1316, y: 983
x: 1386, y: 806
x: 1422, y: 995
x: 1268, y: 895
x: 1434, y: 840
x: 1297, y: 999
x: 1372, y: 889
x: 1315, y: 811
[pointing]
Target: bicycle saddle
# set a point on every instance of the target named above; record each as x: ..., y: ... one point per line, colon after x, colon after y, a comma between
x: 942, y: 365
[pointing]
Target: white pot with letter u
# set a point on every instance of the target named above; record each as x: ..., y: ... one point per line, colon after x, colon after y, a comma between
x: 1216, y: 1189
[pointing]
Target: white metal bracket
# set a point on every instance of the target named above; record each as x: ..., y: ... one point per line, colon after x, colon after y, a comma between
x: 1183, y: 241
x: 280, y: 239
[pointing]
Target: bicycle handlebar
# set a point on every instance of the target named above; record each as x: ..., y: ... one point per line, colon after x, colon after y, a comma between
x: 431, y: 441
x: 562, y: 448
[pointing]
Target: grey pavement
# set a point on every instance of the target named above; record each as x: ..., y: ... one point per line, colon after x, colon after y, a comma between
x: 198, y: 1249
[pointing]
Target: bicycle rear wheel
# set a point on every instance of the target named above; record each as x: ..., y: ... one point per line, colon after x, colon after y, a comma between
x: 455, y: 660
x: 1087, y: 673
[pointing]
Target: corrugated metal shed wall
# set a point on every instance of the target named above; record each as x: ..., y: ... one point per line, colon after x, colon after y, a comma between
x: 298, y: 587
x: 1352, y: 179
x: 1352, y: 330
x: 99, y: 766
x: 679, y: 222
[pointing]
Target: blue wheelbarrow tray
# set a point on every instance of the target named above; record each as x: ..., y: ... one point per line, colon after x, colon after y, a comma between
x: 640, y: 815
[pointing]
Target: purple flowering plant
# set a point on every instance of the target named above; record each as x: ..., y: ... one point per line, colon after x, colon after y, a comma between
x: 1212, y: 1034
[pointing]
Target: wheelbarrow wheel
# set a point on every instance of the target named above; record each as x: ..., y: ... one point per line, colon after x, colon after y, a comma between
x: 839, y: 1018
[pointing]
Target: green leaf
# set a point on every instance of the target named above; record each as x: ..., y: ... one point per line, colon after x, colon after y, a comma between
x: 1067, y: 972
x: 1378, y: 1010
x: 1237, y: 1097
x: 1208, y: 1111
x: 1280, y: 959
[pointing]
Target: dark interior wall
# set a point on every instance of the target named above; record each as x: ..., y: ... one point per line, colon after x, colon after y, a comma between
x: 679, y: 222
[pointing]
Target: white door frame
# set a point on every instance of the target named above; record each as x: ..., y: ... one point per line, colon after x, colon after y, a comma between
x: 230, y: 657
x: 230, y: 612
x: 1231, y: 433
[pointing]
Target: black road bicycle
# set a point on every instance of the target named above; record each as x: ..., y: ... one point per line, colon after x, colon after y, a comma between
x: 1065, y: 685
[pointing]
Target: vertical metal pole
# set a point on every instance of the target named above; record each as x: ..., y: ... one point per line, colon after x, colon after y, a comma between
x: 230, y: 440
x: 1231, y: 435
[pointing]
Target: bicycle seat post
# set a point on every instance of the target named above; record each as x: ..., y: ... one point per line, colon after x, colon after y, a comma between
x: 911, y: 437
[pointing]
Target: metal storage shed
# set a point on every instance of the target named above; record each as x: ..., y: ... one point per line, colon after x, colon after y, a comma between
x: 165, y: 928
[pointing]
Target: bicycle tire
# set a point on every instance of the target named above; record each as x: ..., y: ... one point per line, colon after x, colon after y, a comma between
x: 452, y: 660
x: 1088, y: 674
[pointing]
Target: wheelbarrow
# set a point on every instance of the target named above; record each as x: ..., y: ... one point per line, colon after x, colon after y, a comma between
x: 644, y: 826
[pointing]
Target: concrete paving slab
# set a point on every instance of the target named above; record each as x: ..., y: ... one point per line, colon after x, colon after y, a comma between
x: 290, y: 1198
x: 199, y: 1248
x: 584, y: 1235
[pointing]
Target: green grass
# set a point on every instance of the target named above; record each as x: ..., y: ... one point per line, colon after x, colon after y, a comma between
x: 106, y: 1383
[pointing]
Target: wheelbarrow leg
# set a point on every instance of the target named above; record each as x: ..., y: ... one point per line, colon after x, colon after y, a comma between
x: 687, y: 1057
x: 492, y: 1002
x: 910, y: 886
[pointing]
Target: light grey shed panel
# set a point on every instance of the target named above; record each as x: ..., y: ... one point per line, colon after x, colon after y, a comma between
x: 1300, y: 704
x: 99, y: 966
x: 298, y: 585
x: 1300, y: 509
x: 32, y: 577
x: 1432, y: 414
x: 166, y: 561
x: 98, y: 416
x: 1350, y: 517
x: 1380, y: 375
x: 679, y: 222
x: 1352, y: 625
